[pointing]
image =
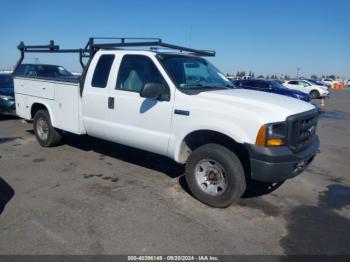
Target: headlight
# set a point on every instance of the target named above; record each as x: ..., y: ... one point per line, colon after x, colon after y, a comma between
x: 273, y: 134
x: 6, y: 97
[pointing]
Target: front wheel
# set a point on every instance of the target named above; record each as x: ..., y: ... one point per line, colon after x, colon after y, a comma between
x: 45, y: 133
x: 215, y: 175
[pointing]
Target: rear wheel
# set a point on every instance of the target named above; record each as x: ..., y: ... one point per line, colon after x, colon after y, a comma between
x: 215, y: 175
x: 45, y: 133
x: 314, y: 94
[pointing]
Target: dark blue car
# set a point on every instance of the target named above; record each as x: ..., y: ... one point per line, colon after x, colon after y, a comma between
x: 271, y: 86
x: 7, y: 96
x: 53, y: 72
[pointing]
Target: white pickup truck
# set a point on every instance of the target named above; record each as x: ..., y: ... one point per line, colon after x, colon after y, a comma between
x: 175, y: 104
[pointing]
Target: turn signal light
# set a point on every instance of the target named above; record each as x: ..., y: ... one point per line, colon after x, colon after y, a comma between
x: 274, y: 142
x: 261, y: 137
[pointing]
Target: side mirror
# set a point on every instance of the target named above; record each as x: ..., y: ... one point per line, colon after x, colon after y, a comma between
x: 152, y: 91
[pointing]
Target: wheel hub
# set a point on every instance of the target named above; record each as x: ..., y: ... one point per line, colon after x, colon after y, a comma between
x: 42, y: 129
x: 211, y: 177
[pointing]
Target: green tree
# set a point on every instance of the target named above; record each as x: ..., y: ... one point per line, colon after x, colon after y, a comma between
x: 267, y: 77
x: 260, y: 76
x: 315, y: 77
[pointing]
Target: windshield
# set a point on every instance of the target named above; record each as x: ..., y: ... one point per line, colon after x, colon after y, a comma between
x: 6, y: 81
x: 194, y: 73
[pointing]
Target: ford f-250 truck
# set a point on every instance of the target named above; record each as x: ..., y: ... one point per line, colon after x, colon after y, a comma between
x: 175, y: 104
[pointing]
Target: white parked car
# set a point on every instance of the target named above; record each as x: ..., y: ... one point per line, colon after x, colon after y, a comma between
x: 328, y: 81
x: 310, y: 87
x: 177, y: 105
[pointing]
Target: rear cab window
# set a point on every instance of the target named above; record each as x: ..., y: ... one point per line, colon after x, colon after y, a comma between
x: 102, y: 70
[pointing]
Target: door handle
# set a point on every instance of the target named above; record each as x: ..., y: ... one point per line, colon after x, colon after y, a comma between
x: 111, y: 102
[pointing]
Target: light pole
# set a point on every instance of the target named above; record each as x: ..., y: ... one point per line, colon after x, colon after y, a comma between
x: 298, y: 69
x: 190, y: 37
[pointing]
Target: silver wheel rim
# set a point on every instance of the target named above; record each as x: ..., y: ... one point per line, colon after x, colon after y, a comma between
x: 211, y: 177
x: 42, y: 129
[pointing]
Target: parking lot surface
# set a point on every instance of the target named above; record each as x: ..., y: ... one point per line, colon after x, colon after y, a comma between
x: 89, y: 196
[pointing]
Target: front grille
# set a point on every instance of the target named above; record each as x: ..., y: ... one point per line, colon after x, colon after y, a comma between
x: 302, y: 130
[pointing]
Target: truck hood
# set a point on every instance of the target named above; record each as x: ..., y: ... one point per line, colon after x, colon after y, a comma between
x: 266, y: 106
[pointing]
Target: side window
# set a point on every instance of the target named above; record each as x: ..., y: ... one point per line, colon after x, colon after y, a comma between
x: 31, y: 71
x: 263, y: 85
x: 21, y: 70
x: 136, y: 71
x: 293, y: 83
x: 254, y: 84
x: 303, y: 83
x: 103, y: 67
x: 248, y: 83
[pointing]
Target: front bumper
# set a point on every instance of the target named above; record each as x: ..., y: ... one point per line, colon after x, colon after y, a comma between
x: 276, y: 164
x: 7, y: 107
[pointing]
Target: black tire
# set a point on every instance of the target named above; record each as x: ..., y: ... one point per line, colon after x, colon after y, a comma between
x: 234, y: 173
x: 314, y: 94
x: 53, y: 136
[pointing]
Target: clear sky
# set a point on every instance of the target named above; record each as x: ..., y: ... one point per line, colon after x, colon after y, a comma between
x: 265, y: 36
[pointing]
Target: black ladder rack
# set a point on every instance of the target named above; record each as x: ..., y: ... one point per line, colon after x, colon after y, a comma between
x: 92, y: 47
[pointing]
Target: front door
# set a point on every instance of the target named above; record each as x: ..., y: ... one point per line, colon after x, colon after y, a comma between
x: 136, y: 121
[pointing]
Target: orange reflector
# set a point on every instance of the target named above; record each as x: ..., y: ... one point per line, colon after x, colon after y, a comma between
x: 274, y: 142
x: 261, y: 137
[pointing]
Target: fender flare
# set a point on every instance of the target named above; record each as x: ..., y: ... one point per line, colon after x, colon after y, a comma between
x: 238, y: 137
x: 47, y: 108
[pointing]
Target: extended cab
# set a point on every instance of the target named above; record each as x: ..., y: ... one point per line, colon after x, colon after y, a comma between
x: 177, y: 105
